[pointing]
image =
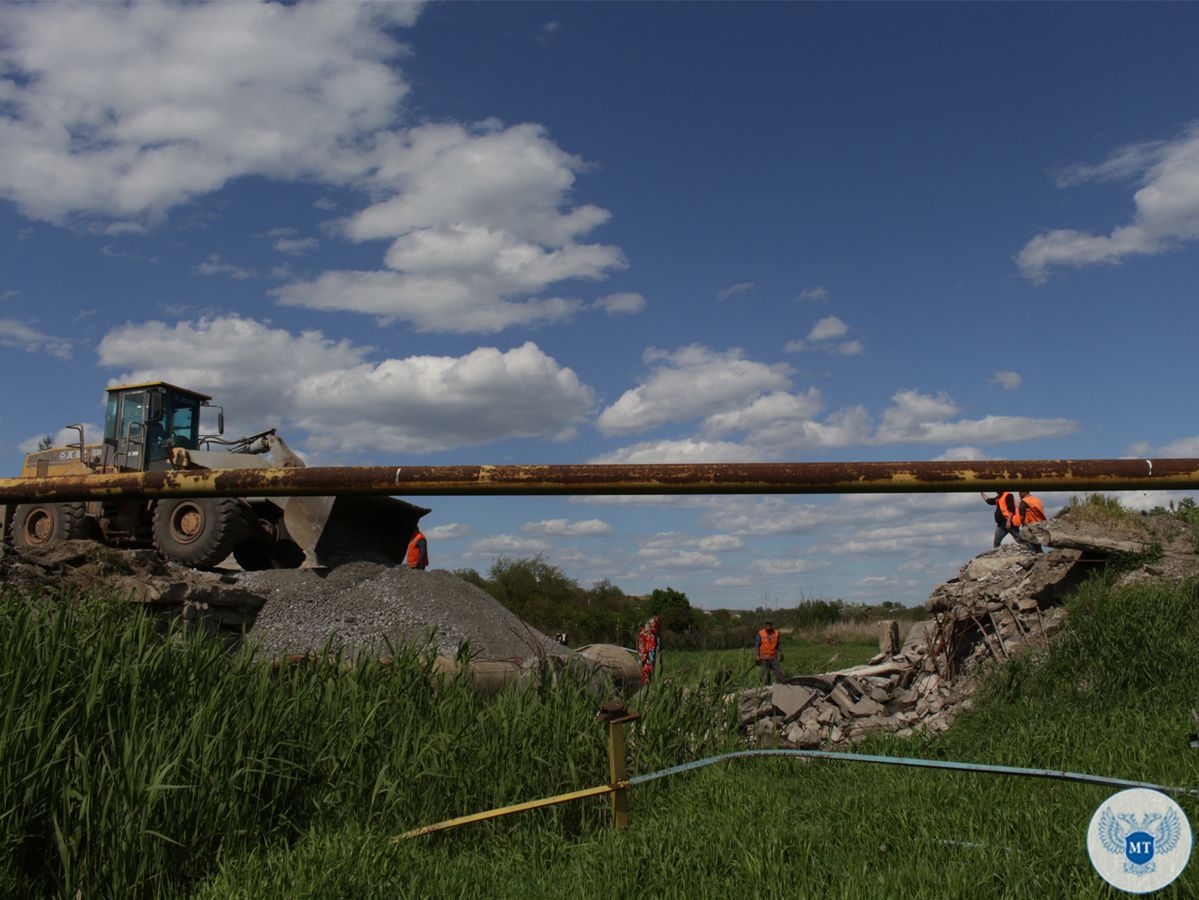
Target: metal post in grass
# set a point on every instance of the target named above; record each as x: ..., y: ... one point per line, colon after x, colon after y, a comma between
x: 617, y: 716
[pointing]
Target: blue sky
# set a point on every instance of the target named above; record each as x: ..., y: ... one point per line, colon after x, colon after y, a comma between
x: 499, y: 232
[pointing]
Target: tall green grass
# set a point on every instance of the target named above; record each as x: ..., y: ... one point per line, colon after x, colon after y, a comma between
x: 836, y: 646
x: 136, y: 764
x: 1112, y: 697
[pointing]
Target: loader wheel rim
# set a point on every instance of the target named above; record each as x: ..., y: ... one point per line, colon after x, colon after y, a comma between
x: 186, y: 523
x: 39, y: 526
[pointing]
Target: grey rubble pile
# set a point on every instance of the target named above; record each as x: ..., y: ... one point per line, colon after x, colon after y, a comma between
x: 1004, y: 602
x: 368, y: 608
x: 358, y: 607
x: 139, y: 576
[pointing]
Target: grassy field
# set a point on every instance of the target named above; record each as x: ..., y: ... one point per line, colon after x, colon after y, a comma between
x: 803, y: 653
x: 130, y: 766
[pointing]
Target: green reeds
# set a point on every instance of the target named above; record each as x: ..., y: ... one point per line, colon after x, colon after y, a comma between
x: 1112, y: 697
x: 134, y: 763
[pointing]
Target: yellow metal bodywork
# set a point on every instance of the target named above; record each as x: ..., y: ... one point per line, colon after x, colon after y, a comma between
x: 156, y: 384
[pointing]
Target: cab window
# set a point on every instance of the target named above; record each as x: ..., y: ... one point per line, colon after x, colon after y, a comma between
x: 110, y: 420
x: 184, y: 420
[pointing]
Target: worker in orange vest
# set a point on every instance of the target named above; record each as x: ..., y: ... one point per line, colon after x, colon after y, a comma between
x: 418, y: 551
x: 1030, y: 510
x: 767, y: 648
x: 1005, y: 507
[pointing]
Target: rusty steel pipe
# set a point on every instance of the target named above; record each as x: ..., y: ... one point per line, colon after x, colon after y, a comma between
x: 675, y: 478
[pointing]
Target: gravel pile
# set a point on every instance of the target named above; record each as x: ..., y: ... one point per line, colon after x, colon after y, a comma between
x: 360, y: 606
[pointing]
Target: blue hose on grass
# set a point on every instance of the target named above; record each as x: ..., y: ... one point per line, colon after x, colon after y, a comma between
x: 921, y: 764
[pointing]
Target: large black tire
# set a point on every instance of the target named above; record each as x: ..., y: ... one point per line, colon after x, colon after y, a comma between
x: 198, y: 532
x: 37, y: 526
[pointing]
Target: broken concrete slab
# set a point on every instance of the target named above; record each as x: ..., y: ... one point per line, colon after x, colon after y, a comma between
x: 888, y: 637
x: 1090, y: 537
x: 791, y: 699
x: 840, y: 696
x: 866, y: 707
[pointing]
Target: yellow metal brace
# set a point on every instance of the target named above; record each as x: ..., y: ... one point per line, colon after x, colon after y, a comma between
x: 616, y: 716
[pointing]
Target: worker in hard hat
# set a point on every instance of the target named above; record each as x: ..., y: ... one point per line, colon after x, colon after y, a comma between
x: 1030, y: 510
x: 769, y: 653
x: 418, y: 551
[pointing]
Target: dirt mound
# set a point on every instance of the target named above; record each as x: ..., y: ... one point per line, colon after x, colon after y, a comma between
x: 361, y: 606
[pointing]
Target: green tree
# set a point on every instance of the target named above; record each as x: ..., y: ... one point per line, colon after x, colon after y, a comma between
x: 672, y: 608
x: 540, y: 593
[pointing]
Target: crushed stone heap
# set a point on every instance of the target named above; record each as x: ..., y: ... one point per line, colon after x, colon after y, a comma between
x: 356, y: 608
x: 360, y: 606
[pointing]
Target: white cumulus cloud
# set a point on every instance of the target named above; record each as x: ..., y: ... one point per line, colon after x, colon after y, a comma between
x: 23, y: 336
x: 657, y: 558
x: 687, y: 450
x: 480, y: 222
x: 823, y: 336
x: 818, y: 294
x: 503, y: 544
x: 621, y: 304
x: 827, y: 328
x: 565, y: 528
x: 689, y: 382
x: 122, y: 112
x: 785, y: 566
x: 1007, y: 380
x: 447, y: 532
x: 345, y: 401
x: 922, y: 418
x: 720, y: 543
x: 215, y: 265
x: 1165, y: 214
x: 731, y: 291
x: 126, y: 110
x: 296, y: 246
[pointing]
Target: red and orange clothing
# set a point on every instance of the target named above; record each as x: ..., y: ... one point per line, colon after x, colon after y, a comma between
x: 1005, y: 506
x: 1031, y: 510
x: 418, y: 552
x: 767, y: 648
x: 767, y: 644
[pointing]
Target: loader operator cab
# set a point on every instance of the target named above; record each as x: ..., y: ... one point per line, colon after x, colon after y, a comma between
x: 143, y: 422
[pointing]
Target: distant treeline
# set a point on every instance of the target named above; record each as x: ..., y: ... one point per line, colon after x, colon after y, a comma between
x: 551, y: 601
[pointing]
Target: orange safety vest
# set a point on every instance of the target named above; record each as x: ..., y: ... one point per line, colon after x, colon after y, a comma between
x: 1004, y: 503
x: 1034, y: 511
x: 768, y: 647
x: 414, y: 551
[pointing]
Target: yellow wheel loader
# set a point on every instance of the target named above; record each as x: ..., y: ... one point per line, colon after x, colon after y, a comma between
x: 156, y: 426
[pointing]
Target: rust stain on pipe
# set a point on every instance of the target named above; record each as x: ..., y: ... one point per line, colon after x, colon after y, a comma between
x: 675, y: 478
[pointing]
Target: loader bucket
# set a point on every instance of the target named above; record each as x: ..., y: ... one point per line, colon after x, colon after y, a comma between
x: 331, y: 530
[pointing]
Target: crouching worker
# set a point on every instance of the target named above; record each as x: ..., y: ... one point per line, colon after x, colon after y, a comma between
x: 1031, y: 510
x: 767, y: 648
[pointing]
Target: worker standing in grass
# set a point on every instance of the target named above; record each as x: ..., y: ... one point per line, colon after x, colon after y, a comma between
x: 769, y: 654
x: 418, y: 551
x: 1005, y: 507
x: 1030, y: 510
x: 649, y: 648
